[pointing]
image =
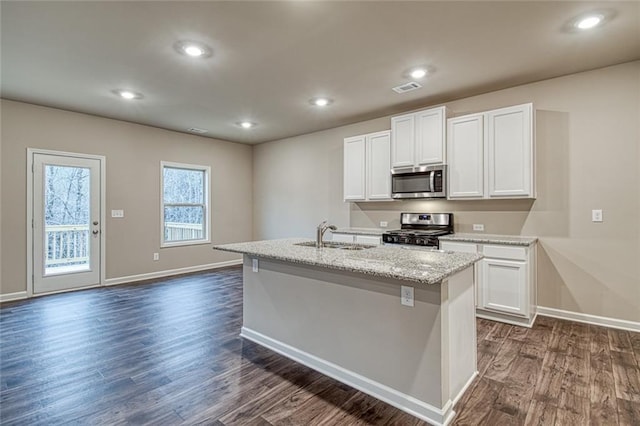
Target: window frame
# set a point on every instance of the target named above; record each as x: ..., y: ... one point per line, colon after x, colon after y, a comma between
x: 206, y: 205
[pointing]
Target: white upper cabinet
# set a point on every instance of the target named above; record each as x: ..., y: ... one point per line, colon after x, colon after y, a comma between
x: 430, y: 136
x: 510, y: 151
x: 418, y: 138
x: 378, y: 147
x: 491, y: 154
x: 367, y: 169
x: 403, y: 132
x: 354, y: 168
x: 466, y: 156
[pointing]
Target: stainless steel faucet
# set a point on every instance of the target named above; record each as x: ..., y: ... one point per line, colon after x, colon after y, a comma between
x: 322, y: 228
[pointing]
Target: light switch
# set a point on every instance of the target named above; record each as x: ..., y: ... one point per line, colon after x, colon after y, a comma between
x: 117, y: 213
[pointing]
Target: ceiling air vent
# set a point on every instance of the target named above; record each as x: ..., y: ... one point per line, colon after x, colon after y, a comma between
x: 407, y: 87
x: 196, y: 130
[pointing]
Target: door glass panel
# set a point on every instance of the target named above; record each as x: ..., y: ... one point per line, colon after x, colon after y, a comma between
x: 66, y: 219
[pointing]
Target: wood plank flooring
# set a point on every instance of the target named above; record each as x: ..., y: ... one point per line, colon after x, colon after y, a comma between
x: 168, y: 353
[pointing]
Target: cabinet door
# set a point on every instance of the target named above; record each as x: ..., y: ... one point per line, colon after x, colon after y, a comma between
x: 430, y: 140
x: 403, y: 140
x: 342, y: 238
x: 504, y: 286
x: 466, y: 156
x: 368, y: 239
x: 510, y: 151
x: 354, y: 168
x: 379, y: 166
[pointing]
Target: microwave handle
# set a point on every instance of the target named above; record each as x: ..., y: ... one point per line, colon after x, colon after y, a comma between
x: 432, y: 181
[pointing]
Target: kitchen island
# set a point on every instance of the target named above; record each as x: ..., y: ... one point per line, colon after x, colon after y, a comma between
x: 338, y: 310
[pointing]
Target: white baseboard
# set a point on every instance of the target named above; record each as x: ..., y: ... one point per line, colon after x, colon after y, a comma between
x: 589, y: 319
x: 19, y: 295
x: 509, y: 319
x: 170, y: 272
x: 402, y: 401
x: 464, y: 388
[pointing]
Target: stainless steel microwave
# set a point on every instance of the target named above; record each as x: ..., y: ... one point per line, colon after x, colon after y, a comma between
x: 419, y: 182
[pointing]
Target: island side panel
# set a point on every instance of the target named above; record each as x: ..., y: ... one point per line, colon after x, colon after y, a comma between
x: 459, y: 334
x: 352, y: 320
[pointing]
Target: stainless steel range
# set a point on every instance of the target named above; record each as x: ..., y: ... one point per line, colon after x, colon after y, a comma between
x: 420, y: 229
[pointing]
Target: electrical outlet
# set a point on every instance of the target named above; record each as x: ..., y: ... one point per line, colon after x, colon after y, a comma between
x: 384, y: 224
x: 254, y: 263
x: 596, y: 215
x: 478, y: 227
x: 156, y: 256
x: 406, y: 295
x: 117, y: 213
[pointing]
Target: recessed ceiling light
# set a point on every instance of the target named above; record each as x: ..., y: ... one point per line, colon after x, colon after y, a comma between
x: 418, y: 73
x: 193, y: 49
x: 321, y: 102
x: 246, y: 124
x: 128, y: 94
x: 588, y: 22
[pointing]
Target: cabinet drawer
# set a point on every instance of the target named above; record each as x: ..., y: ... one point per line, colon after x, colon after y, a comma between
x: 342, y: 238
x: 368, y: 239
x: 459, y: 247
x: 503, y: 252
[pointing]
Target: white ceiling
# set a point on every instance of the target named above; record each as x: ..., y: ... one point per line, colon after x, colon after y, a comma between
x: 270, y: 58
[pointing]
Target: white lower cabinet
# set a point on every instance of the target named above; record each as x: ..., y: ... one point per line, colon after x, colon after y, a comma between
x: 505, y: 281
x: 504, y: 286
x: 465, y: 248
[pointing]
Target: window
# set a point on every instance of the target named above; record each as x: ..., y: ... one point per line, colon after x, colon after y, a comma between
x: 185, y: 204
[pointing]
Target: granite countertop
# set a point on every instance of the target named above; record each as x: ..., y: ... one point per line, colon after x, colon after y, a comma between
x: 418, y: 266
x: 511, y: 240
x: 376, y: 232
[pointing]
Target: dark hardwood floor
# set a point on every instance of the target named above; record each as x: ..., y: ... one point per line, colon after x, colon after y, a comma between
x: 168, y: 353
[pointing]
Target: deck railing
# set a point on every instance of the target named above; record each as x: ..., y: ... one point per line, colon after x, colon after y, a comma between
x: 69, y: 244
x: 175, y: 231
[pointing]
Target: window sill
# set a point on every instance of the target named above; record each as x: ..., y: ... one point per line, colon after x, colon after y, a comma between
x: 184, y: 243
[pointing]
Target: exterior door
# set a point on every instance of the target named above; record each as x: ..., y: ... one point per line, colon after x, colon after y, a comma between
x: 66, y: 222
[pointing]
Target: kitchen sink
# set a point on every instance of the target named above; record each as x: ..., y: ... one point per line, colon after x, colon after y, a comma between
x: 340, y: 246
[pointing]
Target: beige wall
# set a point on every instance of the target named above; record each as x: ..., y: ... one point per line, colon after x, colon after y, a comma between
x: 299, y: 182
x: 588, y: 157
x: 133, y: 154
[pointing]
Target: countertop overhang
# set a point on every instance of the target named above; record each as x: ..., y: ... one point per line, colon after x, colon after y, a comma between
x: 418, y: 266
